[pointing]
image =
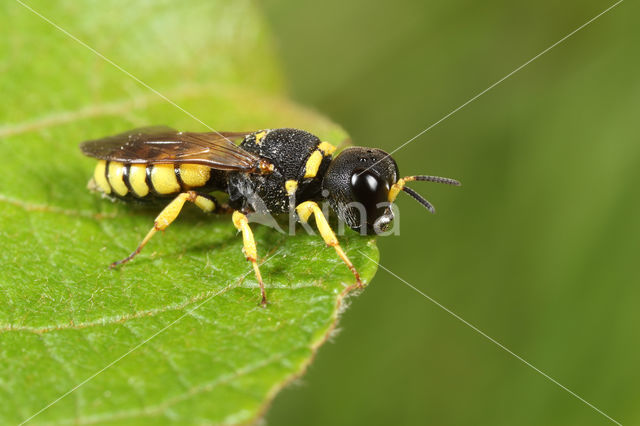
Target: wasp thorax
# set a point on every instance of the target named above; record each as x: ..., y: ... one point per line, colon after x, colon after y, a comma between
x: 358, y: 182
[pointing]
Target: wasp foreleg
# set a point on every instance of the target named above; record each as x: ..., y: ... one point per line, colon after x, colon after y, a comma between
x: 305, y: 210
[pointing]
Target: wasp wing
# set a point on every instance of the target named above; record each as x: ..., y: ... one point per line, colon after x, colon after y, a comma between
x: 166, y: 145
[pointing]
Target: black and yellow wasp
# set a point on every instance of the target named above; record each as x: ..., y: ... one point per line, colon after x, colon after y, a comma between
x: 269, y: 172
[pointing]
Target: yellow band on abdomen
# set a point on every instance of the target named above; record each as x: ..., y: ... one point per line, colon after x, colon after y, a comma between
x: 163, y: 179
x: 194, y: 175
x: 138, y: 180
x: 100, y: 177
x: 115, y: 175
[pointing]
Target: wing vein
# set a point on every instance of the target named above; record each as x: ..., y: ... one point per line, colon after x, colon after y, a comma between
x: 166, y: 145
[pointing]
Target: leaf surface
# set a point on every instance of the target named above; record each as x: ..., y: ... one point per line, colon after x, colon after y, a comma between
x: 176, y: 335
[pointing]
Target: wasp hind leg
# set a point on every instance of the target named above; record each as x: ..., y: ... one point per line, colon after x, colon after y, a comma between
x: 241, y: 222
x: 169, y: 214
x: 305, y: 210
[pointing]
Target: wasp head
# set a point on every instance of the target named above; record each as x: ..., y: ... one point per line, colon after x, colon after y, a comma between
x: 361, y: 185
x: 357, y: 184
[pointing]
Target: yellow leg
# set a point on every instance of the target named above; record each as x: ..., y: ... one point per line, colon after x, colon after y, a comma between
x: 167, y: 216
x: 241, y: 223
x: 305, y: 210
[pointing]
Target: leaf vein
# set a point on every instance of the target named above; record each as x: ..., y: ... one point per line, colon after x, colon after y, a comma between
x: 159, y: 409
x: 119, y: 107
x: 119, y: 319
x: 34, y: 207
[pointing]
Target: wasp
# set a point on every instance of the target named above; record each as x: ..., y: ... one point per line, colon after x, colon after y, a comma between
x: 272, y: 171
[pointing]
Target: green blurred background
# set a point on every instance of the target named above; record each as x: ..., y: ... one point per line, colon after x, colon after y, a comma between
x: 539, y: 248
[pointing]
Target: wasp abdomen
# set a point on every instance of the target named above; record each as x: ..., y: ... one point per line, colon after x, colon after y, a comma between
x: 143, y: 180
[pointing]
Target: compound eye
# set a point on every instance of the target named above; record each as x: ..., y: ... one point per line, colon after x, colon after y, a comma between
x: 370, y: 190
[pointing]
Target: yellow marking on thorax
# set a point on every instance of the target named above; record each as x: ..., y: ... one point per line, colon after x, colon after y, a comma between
x: 138, y: 180
x: 260, y: 136
x: 326, y: 148
x: 115, y: 175
x: 313, y: 164
x: 163, y: 179
x: 194, y: 175
x: 100, y: 177
x: 291, y: 186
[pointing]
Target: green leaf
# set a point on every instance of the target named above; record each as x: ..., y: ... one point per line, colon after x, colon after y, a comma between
x: 177, y: 334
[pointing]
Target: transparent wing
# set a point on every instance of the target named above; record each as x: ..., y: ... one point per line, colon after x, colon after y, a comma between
x: 166, y: 145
